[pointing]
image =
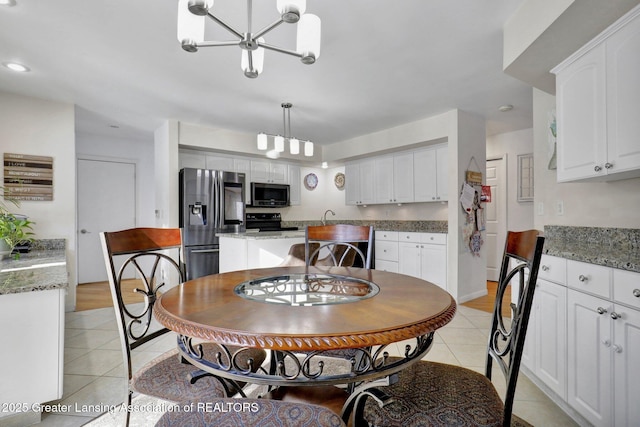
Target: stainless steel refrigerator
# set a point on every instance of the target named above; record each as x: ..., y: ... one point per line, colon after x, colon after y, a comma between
x: 211, y: 202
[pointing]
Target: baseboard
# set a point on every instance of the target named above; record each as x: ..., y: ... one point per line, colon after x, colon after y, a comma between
x: 469, y: 297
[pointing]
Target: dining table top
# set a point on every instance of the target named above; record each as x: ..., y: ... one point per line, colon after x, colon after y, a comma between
x: 377, y: 308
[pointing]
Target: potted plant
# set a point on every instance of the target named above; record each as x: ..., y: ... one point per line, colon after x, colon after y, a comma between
x: 14, y: 229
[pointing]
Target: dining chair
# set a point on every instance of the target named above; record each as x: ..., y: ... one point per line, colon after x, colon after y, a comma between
x: 434, y: 394
x: 245, y: 412
x: 140, y: 265
x: 296, y: 255
x: 341, y: 242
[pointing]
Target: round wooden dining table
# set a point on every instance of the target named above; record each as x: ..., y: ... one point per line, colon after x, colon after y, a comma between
x: 302, y: 314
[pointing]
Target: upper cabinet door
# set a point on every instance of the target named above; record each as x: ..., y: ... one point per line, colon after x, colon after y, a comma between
x: 424, y: 172
x: 367, y: 168
x: 279, y: 173
x: 581, y: 116
x: 403, y: 178
x: 383, y: 179
x: 352, y: 184
x: 623, y: 98
x: 442, y: 173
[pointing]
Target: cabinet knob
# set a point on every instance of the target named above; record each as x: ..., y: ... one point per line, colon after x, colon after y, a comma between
x: 606, y: 343
x: 615, y: 315
x: 617, y: 348
x: 636, y: 293
x: 601, y: 310
x: 583, y: 278
x: 597, y: 168
x: 545, y: 268
x: 608, y: 165
x: 433, y: 198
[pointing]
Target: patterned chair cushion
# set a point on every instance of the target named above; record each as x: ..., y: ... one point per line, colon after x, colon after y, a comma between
x: 252, y: 412
x: 436, y: 394
x: 167, y: 377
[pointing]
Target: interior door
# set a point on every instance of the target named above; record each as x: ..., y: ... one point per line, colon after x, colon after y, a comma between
x: 106, y: 202
x: 496, y: 216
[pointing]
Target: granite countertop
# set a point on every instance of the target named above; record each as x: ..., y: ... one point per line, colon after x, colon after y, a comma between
x: 386, y: 225
x: 44, y: 268
x: 254, y: 235
x: 610, y: 247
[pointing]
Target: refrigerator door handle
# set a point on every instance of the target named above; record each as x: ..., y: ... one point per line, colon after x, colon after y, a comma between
x: 204, y: 251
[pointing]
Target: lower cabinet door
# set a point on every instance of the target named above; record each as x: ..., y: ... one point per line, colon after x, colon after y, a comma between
x: 589, y: 337
x: 626, y: 361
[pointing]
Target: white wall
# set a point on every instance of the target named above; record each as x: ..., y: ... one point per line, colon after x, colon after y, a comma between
x: 138, y: 151
x: 592, y: 204
x: 510, y: 145
x: 38, y: 127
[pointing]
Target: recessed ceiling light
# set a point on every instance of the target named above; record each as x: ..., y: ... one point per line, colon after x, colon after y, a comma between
x: 506, y: 107
x: 7, y: 3
x: 14, y: 66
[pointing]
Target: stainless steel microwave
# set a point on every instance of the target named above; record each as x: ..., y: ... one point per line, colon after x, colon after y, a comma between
x: 265, y: 194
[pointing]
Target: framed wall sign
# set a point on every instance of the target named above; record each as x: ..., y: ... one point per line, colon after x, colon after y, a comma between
x: 28, y: 177
x: 525, y: 178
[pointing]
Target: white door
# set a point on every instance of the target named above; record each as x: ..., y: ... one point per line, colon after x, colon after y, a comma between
x: 496, y: 215
x: 106, y: 202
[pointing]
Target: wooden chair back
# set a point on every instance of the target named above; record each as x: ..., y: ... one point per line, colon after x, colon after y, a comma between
x: 143, y: 251
x: 519, y: 269
x: 343, y: 244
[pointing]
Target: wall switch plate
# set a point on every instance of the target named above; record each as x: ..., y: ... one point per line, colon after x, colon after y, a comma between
x: 540, y: 208
x: 559, y: 207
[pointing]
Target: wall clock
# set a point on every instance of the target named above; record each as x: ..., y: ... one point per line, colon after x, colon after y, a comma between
x: 311, y: 181
x: 339, y: 180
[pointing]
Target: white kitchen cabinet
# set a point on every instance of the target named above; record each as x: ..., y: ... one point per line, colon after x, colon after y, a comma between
x: 295, y: 185
x: 430, y: 174
x: 424, y: 255
x: 394, y: 178
x: 548, y: 327
x: 626, y: 355
x: 192, y: 159
x: 386, y: 251
x: 359, y: 182
x: 243, y: 165
x: 590, y: 358
x: 272, y: 172
x: 219, y: 163
x: 598, y: 103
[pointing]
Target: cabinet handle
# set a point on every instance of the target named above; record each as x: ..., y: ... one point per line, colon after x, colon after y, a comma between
x: 617, y: 348
x: 545, y: 268
x: 601, y: 310
x: 636, y: 293
x: 597, y: 168
x: 615, y: 315
x: 583, y: 278
x: 608, y: 165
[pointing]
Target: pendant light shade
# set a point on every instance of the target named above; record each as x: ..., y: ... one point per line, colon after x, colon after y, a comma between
x: 252, y: 68
x: 308, y: 42
x: 291, y: 10
x: 279, y: 143
x: 308, y: 148
x: 262, y: 141
x: 294, y: 146
x: 190, y: 27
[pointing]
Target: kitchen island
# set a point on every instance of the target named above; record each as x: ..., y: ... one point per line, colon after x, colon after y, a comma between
x: 32, y: 300
x: 250, y: 250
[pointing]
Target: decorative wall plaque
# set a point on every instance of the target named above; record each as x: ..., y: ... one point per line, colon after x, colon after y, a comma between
x: 28, y: 177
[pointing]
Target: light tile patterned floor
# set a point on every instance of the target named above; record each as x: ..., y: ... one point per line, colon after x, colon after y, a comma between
x: 94, y: 377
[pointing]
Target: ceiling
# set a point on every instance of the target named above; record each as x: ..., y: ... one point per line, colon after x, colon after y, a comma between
x: 382, y: 64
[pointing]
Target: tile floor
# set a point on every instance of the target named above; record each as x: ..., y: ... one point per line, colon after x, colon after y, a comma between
x: 93, y: 367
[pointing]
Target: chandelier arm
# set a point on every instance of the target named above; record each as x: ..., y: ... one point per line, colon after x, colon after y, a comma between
x: 225, y: 25
x: 218, y: 44
x: 268, y: 28
x: 281, y: 50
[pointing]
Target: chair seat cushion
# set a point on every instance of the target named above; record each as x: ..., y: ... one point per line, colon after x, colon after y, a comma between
x: 167, y: 377
x: 436, y: 394
x: 252, y: 412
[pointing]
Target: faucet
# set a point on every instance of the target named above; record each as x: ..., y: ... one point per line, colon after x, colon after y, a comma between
x: 324, y: 217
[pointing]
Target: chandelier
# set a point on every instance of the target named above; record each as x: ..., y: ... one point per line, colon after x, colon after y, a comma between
x: 279, y: 140
x: 191, y: 24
